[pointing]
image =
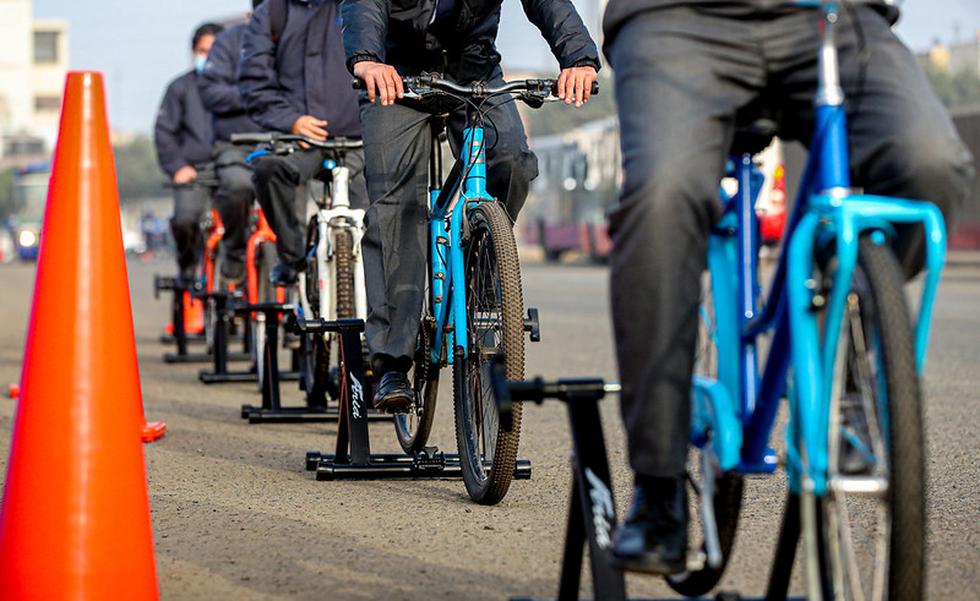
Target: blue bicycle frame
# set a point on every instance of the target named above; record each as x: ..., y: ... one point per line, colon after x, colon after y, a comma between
x: 741, y: 405
x: 447, y: 215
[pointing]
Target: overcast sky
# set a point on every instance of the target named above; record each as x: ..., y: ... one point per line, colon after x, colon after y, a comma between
x: 140, y: 44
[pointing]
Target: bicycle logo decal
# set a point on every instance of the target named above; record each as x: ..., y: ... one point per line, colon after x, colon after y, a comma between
x: 357, y: 396
x: 602, y: 509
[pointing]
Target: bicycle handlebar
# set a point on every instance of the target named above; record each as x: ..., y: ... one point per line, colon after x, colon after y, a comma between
x: 422, y: 86
x: 280, y: 138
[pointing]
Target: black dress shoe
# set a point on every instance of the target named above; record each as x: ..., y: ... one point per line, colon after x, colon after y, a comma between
x: 653, y: 539
x: 283, y: 275
x: 394, y: 394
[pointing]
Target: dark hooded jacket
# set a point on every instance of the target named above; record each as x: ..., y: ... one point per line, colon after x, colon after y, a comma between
x: 400, y: 33
x: 301, y: 72
x: 219, y: 86
x: 182, y: 132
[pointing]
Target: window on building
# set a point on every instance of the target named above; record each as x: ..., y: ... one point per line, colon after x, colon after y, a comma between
x: 47, y: 103
x: 22, y: 146
x: 46, y: 47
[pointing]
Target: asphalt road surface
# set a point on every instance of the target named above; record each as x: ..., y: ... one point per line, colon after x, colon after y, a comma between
x: 236, y: 516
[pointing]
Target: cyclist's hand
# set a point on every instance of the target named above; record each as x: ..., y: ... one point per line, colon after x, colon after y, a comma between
x: 311, y: 127
x: 380, y: 80
x: 575, y: 84
x: 185, y: 175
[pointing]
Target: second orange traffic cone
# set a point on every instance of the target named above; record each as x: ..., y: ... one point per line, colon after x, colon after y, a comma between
x: 75, y: 521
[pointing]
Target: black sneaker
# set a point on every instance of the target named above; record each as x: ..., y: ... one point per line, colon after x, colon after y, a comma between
x: 394, y: 393
x: 283, y: 275
x: 653, y: 540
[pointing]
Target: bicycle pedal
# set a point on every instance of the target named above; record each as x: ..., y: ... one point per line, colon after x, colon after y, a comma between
x: 696, y: 560
x: 430, y: 459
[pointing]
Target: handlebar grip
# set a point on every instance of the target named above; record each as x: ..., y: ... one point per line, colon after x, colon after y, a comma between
x: 595, y: 88
x: 357, y: 83
x: 255, y: 138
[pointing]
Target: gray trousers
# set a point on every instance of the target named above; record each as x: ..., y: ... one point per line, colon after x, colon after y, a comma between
x: 234, y: 199
x: 397, y: 145
x: 190, y: 203
x: 682, y: 74
x: 276, y: 180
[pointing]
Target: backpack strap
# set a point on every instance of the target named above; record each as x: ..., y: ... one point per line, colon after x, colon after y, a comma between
x: 278, y: 14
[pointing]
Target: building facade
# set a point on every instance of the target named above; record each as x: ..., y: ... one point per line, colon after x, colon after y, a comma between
x: 33, y: 64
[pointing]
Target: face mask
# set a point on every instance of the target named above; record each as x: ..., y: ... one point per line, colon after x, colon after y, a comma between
x: 200, y: 62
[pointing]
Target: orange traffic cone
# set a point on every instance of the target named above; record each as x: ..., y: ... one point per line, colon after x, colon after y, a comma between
x: 193, y: 314
x: 75, y: 520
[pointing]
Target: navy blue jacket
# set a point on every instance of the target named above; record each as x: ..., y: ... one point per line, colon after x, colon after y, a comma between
x: 219, y: 86
x: 303, y: 73
x: 399, y: 33
x: 182, y: 133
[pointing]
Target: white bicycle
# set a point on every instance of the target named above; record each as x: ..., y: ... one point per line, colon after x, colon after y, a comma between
x: 332, y: 285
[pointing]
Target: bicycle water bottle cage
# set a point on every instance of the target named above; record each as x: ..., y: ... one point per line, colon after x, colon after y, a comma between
x: 256, y: 154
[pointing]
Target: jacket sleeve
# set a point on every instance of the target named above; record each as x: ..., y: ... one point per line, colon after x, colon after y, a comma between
x: 258, y: 82
x: 166, y: 130
x: 365, y: 30
x: 218, y: 83
x: 562, y: 27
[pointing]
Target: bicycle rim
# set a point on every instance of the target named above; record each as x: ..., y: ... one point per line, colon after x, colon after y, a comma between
x: 870, y: 525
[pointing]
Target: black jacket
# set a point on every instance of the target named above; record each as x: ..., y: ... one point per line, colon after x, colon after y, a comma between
x: 397, y: 32
x: 219, y: 86
x: 302, y: 73
x: 182, y: 133
x: 620, y: 11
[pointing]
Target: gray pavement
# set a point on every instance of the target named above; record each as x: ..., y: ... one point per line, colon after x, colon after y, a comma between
x: 236, y: 517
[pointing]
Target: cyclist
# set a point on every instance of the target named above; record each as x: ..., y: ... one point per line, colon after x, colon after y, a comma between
x: 235, y: 195
x: 294, y: 80
x: 683, y: 70
x: 182, y: 136
x: 385, y: 40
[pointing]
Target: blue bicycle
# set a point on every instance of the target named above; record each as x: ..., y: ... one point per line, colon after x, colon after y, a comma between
x: 842, y: 348
x: 834, y: 336
x: 474, y: 306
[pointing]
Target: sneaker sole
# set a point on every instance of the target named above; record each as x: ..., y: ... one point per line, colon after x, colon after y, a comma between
x: 394, y: 404
x: 647, y: 565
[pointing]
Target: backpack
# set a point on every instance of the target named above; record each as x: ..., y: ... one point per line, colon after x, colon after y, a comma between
x: 278, y: 14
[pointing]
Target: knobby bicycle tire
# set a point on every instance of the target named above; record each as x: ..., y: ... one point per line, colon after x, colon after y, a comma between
x: 489, y: 226
x: 413, y: 430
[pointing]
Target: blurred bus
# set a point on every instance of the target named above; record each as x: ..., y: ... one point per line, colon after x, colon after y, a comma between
x: 579, y: 183
x: 30, y: 193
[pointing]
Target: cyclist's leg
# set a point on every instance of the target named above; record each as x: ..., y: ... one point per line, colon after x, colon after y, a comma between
x: 358, y: 185
x: 276, y: 180
x: 677, y: 100
x: 902, y: 139
x: 511, y: 166
x: 234, y: 200
x: 189, y: 206
x: 678, y: 92
x: 396, y: 150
